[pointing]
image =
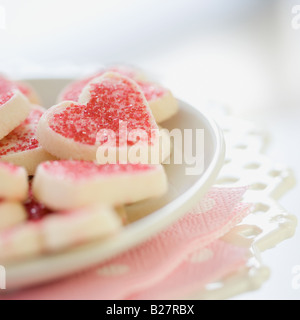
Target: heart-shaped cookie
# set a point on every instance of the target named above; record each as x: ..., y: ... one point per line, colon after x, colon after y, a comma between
x: 70, y: 184
x: 112, y: 118
x: 73, y: 90
x: 21, y: 147
x: 161, y: 101
x: 13, y: 182
x: 14, y: 108
x: 8, y: 85
x: 57, y: 231
x: 12, y: 213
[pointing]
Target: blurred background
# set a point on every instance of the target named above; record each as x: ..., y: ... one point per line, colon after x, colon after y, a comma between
x: 244, y: 54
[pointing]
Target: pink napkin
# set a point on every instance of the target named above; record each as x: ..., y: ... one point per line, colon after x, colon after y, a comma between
x: 199, y: 268
x: 181, y: 259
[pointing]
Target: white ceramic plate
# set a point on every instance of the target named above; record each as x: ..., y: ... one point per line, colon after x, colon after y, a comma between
x: 147, y: 217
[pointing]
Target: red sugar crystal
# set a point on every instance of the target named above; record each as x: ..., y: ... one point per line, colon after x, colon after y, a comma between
x: 111, y: 101
x: 151, y: 91
x: 7, y: 85
x: 4, y: 97
x: 23, y: 137
x: 83, y: 169
x: 123, y: 70
x: 9, y: 166
x: 23, y: 88
x: 76, y: 87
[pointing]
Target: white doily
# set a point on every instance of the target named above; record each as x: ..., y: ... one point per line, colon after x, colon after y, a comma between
x: 268, y: 224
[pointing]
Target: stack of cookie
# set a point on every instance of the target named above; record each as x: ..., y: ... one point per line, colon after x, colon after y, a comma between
x: 97, y: 150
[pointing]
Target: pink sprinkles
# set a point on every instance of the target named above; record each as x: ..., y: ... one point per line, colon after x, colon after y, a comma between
x: 7, y: 86
x: 112, y: 100
x: 9, y: 167
x: 73, y: 91
x: 4, y: 97
x: 73, y: 169
x: 151, y: 91
x: 23, y: 138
